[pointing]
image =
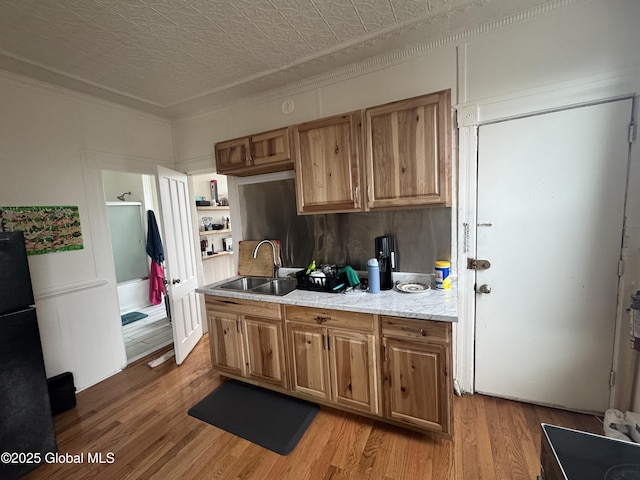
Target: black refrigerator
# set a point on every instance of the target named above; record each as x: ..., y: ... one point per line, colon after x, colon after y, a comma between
x: 26, y: 423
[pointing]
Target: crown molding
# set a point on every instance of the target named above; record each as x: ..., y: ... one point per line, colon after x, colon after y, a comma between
x: 417, y: 50
x: 235, y: 94
x: 375, y: 63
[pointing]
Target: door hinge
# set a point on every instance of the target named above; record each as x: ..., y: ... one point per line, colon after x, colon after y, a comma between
x: 620, y: 267
x: 632, y: 132
x: 612, y: 378
x: 478, y: 264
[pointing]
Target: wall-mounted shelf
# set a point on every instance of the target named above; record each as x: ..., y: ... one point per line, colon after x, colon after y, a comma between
x: 216, y: 255
x: 214, y: 232
x: 226, y: 207
x: 216, y: 240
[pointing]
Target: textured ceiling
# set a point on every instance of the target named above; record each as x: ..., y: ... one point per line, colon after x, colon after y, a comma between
x: 175, y: 57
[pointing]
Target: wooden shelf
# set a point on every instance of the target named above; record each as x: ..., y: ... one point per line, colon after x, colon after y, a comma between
x: 216, y: 255
x: 226, y: 207
x: 213, y: 232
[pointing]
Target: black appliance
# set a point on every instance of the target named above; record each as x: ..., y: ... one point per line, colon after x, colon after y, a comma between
x: 26, y: 423
x: 387, y: 255
x: 574, y: 455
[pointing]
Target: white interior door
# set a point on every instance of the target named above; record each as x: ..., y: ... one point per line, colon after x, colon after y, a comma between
x: 551, y: 192
x: 180, y: 261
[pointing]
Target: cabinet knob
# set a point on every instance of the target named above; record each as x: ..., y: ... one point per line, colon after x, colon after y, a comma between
x: 483, y: 289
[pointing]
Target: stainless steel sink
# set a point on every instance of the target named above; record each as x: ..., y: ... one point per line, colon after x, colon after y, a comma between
x: 280, y: 287
x: 263, y: 285
x: 245, y: 283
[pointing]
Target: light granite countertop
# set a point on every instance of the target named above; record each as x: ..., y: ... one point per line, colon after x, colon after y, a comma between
x: 433, y: 304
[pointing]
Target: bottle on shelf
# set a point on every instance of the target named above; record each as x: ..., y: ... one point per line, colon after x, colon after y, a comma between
x: 214, y: 193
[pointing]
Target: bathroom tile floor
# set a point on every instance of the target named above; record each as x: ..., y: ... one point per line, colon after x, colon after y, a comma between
x: 147, y: 335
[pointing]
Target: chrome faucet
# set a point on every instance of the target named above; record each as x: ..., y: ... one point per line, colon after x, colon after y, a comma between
x: 277, y: 263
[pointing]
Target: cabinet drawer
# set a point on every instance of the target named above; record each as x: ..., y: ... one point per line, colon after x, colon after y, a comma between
x: 331, y: 318
x: 243, y: 307
x: 427, y: 330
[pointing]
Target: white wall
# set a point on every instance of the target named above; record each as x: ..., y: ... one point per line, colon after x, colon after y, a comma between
x: 202, y: 185
x: 52, y: 146
x: 573, y: 43
x: 117, y: 183
x: 544, y: 55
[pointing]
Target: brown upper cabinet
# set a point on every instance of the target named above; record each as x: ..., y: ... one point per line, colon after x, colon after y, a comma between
x: 327, y: 163
x: 389, y: 156
x: 262, y: 153
x: 408, y: 152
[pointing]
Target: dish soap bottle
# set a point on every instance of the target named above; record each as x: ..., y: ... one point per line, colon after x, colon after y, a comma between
x: 373, y: 271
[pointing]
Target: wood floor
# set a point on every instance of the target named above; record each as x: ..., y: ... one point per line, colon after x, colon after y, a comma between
x: 145, y: 336
x: 140, y: 416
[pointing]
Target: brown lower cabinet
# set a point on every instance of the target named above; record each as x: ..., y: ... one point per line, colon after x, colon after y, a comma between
x: 335, y: 365
x: 227, y: 353
x: 249, y: 346
x: 417, y: 384
x: 391, y: 368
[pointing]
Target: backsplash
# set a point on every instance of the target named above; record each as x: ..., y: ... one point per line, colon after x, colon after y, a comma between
x: 269, y: 211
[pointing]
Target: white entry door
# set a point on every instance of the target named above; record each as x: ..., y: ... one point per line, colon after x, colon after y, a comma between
x: 180, y: 261
x: 551, y: 193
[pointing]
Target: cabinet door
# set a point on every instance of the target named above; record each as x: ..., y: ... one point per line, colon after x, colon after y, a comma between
x: 225, y: 341
x: 309, y: 361
x: 271, y: 148
x: 263, y: 350
x: 233, y: 155
x: 416, y: 384
x: 408, y: 159
x: 326, y: 157
x: 354, y: 373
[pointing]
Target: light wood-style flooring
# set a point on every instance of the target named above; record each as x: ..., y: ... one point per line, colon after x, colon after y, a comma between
x: 140, y: 416
x: 145, y: 336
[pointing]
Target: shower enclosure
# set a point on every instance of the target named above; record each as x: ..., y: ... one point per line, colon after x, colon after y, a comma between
x: 126, y: 226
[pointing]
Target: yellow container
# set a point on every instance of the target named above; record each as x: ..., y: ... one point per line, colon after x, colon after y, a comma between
x: 443, y: 278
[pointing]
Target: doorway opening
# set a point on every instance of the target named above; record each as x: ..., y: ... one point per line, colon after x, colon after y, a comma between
x: 146, y: 328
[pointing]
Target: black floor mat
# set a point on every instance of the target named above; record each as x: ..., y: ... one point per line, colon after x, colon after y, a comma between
x: 272, y: 420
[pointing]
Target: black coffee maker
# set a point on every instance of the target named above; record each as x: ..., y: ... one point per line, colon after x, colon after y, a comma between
x: 387, y: 255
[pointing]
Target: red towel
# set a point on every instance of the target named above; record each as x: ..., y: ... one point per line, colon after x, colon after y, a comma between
x: 156, y: 283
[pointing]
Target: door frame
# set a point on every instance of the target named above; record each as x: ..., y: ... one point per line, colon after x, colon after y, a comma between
x: 470, y: 116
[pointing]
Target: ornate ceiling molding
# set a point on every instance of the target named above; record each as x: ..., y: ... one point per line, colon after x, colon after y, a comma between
x: 377, y: 62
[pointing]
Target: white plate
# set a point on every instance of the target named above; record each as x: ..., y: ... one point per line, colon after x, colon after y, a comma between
x: 412, y: 287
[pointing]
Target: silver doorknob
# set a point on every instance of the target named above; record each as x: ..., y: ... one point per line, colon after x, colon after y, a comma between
x: 483, y: 289
x: 175, y: 280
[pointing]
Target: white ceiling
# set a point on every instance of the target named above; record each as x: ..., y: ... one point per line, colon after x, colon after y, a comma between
x: 178, y: 57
